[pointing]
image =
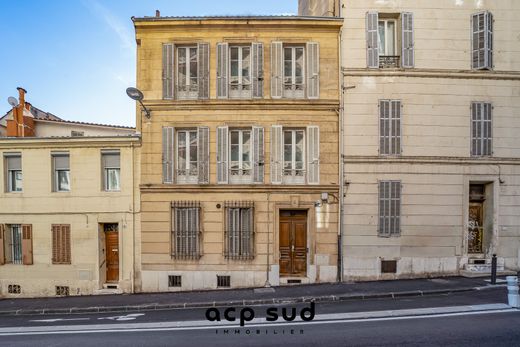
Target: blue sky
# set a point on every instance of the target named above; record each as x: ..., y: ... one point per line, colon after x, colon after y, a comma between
x: 76, y: 57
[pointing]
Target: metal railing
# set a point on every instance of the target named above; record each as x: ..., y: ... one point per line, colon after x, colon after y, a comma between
x: 388, y: 61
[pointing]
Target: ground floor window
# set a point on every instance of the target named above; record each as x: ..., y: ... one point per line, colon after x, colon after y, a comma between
x: 186, y: 231
x: 239, y: 230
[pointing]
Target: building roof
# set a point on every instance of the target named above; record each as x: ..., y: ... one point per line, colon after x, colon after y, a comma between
x: 252, y: 17
x: 84, y: 123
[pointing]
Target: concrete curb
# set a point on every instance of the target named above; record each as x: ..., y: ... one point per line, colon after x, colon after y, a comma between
x: 235, y: 303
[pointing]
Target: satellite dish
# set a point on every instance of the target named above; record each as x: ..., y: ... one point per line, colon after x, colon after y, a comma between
x: 12, y: 101
x: 134, y: 94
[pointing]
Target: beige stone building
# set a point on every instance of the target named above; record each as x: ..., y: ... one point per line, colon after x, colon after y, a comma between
x: 239, y: 171
x: 68, y: 207
x: 431, y: 150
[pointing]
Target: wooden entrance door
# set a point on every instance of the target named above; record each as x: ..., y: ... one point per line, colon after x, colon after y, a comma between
x: 112, y: 251
x: 293, y: 243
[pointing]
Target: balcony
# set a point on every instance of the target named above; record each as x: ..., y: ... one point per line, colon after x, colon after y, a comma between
x: 388, y: 61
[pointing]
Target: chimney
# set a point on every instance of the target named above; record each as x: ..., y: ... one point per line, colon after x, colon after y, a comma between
x: 16, y: 127
x: 157, y: 13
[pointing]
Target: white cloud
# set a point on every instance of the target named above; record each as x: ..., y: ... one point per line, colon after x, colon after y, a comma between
x: 112, y: 21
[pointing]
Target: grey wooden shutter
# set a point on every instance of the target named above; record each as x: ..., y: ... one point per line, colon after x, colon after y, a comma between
x: 395, y: 125
x: 389, y: 208
x: 203, y: 69
x: 167, y: 69
x: 313, y: 70
x: 481, y: 129
x: 258, y: 155
x: 487, y: 137
x: 222, y: 154
x: 276, y: 154
x: 384, y: 127
x: 167, y: 154
x: 313, y: 154
x: 372, y: 19
x: 203, y: 154
x: 222, y: 70
x: 257, y: 69
x: 482, y: 40
x: 276, y: 69
x: 407, y: 59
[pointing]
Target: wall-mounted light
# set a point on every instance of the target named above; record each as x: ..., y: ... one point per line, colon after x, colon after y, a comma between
x: 325, y: 197
x: 137, y: 95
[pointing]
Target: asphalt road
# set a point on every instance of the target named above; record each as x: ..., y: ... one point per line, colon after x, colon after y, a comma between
x: 333, y: 326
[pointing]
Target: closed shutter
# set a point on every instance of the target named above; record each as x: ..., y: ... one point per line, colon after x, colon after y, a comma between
x: 313, y: 154
x: 222, y: 70
x: 167, y: 154
x: 384, y: 127
x: 372, y: 19
x: 313, y: 70
x: 389, y: 208
x: 396, y: 127
x: 276, y: 69
x: 482, y: 40
x: 27, y: 245
x: 61, y: 253
x: 2, y: 244
x: 203, y: 154
x: 222, y: 154
x: 203, y: 69
x: 481, y: 129
x: 276, y: 154
x: 389, y: 127
x: 407, y: 59
x: 258, y: 69
x: 487, y: 137
x: 167, y: 70
x: 246, y: 231
x: 258, y: 155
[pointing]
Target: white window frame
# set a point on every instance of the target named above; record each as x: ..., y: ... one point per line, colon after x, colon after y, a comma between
x: 12, y: 174
x: 241, y: 93
x: 189, y: 92
x: 293, y: 178
x: 241, y: 177
x: 293, y: 93
x: 57, y: 171
x: 186, y: 178
x: 106, y: 170
x: 386, y: 21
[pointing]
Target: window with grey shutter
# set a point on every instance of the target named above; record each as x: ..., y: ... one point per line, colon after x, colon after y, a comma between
x: 276, y: 69
x: 167, y: 70
x: 276, y: 154
x: 482, y: 40
x: 257, y: 69
x: 372, y: 19
x: 258, y: 155
x: 239, y: 230
x: 60, y: 172
x: 222, y: 154
x: 389, y: 208
x: 389, y: 127
x: 111, y: 162
x: 481, y: 129
x: 313, y: 154
x: 203, y: 155
x: 167, y: 154
x: 407, y: 59
x: 203, y: 69
x: 186, y: 230
x: 222, y: 70
x: 313, y: 70
x: 13, y: 172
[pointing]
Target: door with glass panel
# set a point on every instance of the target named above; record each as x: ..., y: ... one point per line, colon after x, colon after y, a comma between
x: 293, y: 156
x: 187, y: 150
x: 240, y: 154
x: 187, y: 73
x: 293, y: 72
x: 240, y: 72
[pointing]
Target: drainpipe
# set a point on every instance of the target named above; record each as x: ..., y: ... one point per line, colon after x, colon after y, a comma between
x: 267, y: 282
x: 340, y: 154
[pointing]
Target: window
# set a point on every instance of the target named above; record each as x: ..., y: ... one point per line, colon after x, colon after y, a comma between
x: 295, y: 70
x: 389, y: 127
x: 185, y: 71
x: 390, y: 40
x: 111, y: 170
x: 186, y: 155
x: 186, y: 231
x: 482, y: 40
x: 14, y: 172
x: 240, y: 70
x: 389, y: 208
x: 481, y: 129
x: 16, y: 244
x: 223, y: 281
x: 239, y: 230
x: 61, y: 172
x: 174, y: 281
x: 61, y: 244
x: 295, y: 155
x: 240, y: 155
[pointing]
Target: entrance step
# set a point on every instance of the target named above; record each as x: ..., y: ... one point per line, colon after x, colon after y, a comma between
x: 294, y: 280
x: 107, y: 291
x: 472, y: 274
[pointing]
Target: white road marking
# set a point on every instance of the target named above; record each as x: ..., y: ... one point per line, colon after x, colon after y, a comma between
x: 57, y: 320
x: 131, y: 316
x: 336, y: 318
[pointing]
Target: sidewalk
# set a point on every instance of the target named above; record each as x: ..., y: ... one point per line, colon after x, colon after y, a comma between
x: 238, y: 297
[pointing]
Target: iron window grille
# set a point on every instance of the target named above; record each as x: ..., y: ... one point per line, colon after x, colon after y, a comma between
x: 186, y: 231
x: 239, y: 230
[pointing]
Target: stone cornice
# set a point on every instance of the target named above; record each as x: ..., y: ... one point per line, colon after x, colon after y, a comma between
x: 235, y: 188
x: 430, y: 160
x: 264, y: 104
x: 433, y: 73
x: 12, y: 143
